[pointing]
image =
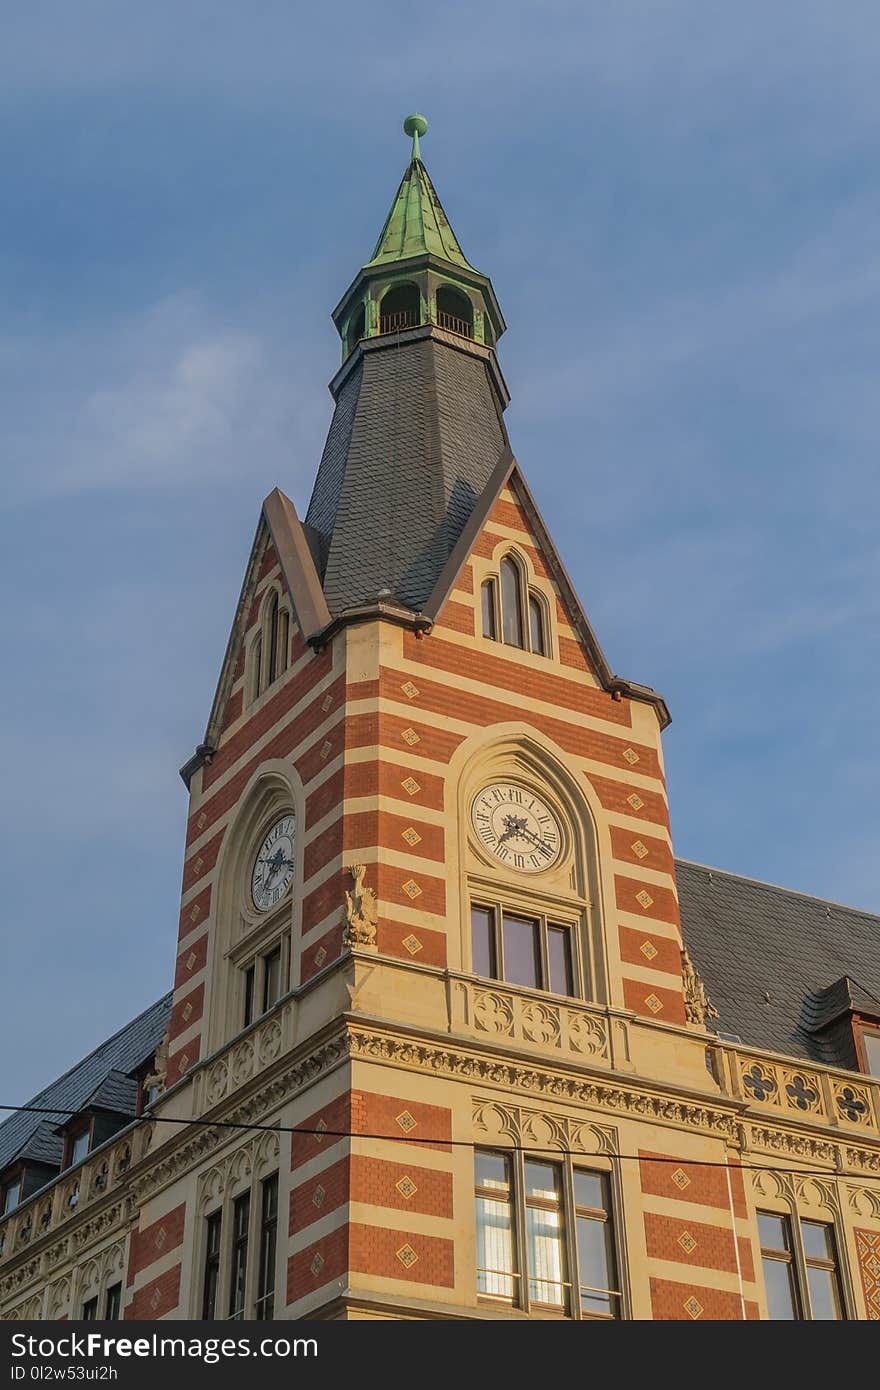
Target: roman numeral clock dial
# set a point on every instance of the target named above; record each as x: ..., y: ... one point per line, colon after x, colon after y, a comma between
x: 516, y: 827
x: 273, y: 869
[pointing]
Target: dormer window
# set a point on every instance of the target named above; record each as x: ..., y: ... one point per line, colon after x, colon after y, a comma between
x: 78, y: 1146
x: 869, y: 1048
x: 10, y: 1195
x: 518, y: 612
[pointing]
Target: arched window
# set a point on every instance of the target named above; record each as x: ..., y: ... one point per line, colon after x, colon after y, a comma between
x: 272, y: 638
x: 356, y: 329
x: 256, y: 666
x: 400, y: 308
x: 490, y: 624
x: 511, y: 603
x: 283, y: 640
x: 536, y: 626
x: 455, y: 311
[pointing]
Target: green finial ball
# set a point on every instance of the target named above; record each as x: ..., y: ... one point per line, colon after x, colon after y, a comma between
x: 415, y: 125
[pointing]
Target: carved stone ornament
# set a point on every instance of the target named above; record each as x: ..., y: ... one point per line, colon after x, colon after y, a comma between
x: 360, y: 911
x: 160, y: 1066
x: 697, y: 1005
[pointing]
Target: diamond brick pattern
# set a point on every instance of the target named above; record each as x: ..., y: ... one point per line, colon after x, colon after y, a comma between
x: 412, y: 944
x: 190, y: 960
x: 411, y: 737
x: 406, y: 1187
x: 648, y: 950
x: 161, y: 1237
x: 326, y: 750
x: 320, y: 956
x: 407, y: 1256
x: 687, y: 1242
x: 653, y: 1003
x: 317, y: 1263
x: 693, y: 1307
x: 631, y: 756
x: 645, y: 899
x: 639, y: 850
x: 411, y: 888
x: 635, y: 801
x: 406, y: 1121
x: 321, y: 1127
x: 155, y: 1299
x: 202, y: 821
x: 681, y: 1179
x: 410, y: 690
x: 318, y: 1196
x: 410, y: 786
x: 194, y: 914
x: 186, y: 1012
x: 412, y: 836
x: 327, y: 702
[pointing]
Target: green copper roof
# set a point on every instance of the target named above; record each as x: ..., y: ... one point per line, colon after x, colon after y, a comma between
x: 416, y: 223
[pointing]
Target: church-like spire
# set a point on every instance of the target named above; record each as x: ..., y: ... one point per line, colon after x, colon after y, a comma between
x: 416, y: 224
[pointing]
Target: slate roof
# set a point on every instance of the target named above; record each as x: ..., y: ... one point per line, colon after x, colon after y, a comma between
x: 125, y: 1052
x: 783, y: 969
x: 415, y: 437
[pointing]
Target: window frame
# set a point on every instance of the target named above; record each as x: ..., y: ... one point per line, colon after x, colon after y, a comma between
x: 244, y: 1251
x: 113, y: 1302
x: 267, y: 1272
x: 521, y: 1276
x: 865, y: 1028
x: 547, y: 918
x: 269, y: 652
x: 11, y: 1184
x: 801, y: 1263
x: 212, y: 1264
x: 72, y: 1135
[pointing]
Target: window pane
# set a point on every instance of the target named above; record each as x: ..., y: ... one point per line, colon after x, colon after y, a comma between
x: 483, y: 942
x: 212, y: 1266
x: 90, y: 1310
x: 11, y: 1196
x: 559, y: 956
x: 79, y: 1147
x: 781, y: 1296
x: 491, y: 1170
x: 773, y: 1232
x: 114, y: 1302
x: 488, y: 595
x: 511, y: 613
x: 542, y: 1181
x: 521, y: 951
x: 268, y: 1232
x: 871, y: 1050
x: 283, y: 640
x: 271, y: 979
x: 589, y: 1191
x: 824, y: 1294
x: 249, y: 996
x: 273, y: 639
x: 536, y: 625
x: 596, y: 1264
x: 495, y: 1245
x: 818, y: 1240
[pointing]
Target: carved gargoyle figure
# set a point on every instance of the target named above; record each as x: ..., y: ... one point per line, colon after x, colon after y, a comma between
x: 697, y: 1005
x: 360, y: 911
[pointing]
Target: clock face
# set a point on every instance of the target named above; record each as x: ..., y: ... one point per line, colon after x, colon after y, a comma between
x: 516, y: 827
x: 273, y: 868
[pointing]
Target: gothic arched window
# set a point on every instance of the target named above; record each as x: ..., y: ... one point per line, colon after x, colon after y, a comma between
x: 511, y: 603
x: 511, y: 608
x: 400, y: 308
x: 455, y: 311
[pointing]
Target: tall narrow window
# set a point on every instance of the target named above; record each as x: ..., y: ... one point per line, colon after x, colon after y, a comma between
x: 490, y: 626
x: 544, y: 1234
x: 777, y: 1260
x: 496, y: 1251
x: 271, y: 979
x: 256, y: 667
x: 241, y: 1211
x: 265, y: 1310
x: 511, y: 605
x: 283, y: 640
x: 870, y: 1048
x: 79, y: 1146
x: 597, y: 1266
x: 272, y: 638
x: 113, y: 1303
x: 90, y: 1310
x: 823, y: 1278
x: 212, y: 1267
x: 521, y: 951
x: 483, y: 942
x: 11, y: 1194
x: 249, y: 984
x: 559, y: 962
x: 536, y: 626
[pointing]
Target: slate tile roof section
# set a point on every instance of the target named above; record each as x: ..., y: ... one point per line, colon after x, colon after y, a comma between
x: 416, y: 434
x: 124, y: 1053
x: 772, y: 961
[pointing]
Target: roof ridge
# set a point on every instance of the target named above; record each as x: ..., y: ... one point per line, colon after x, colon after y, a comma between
x: 778, y: 887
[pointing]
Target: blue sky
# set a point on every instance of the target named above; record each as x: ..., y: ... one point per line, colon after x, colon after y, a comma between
x: 678, y: 205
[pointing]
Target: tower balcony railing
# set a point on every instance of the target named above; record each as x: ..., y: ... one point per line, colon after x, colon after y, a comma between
x: 394, y: 323
x: 453, y: 324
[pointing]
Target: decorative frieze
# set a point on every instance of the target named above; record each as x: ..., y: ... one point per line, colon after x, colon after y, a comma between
x: 518, y: 1018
